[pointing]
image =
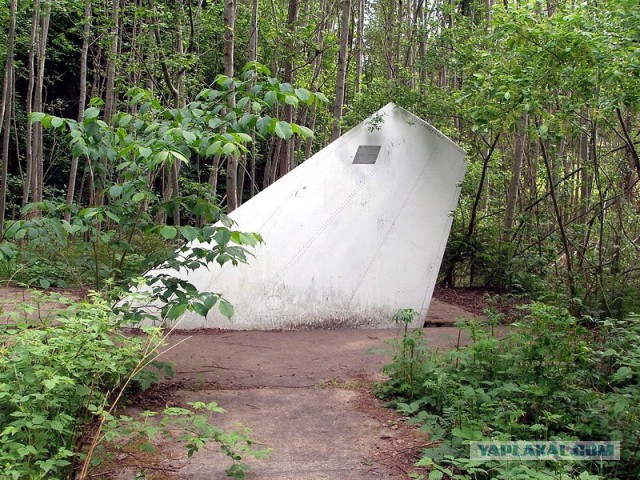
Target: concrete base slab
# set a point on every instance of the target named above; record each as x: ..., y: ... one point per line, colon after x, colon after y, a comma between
x: 305, y: 394
x: 315, y: 434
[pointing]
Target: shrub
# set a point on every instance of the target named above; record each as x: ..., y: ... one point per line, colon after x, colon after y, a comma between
x: 62, y: 377
x: 54, y: 376
x: 551, y: 378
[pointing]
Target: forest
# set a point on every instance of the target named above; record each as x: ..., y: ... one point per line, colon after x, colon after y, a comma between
x: 543, y: 96
x: 128, y: 126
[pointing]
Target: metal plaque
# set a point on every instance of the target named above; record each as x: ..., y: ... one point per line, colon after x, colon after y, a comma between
x: 367, y: 154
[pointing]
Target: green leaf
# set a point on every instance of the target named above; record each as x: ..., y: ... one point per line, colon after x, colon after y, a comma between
x: 200, y: 309
x: 189, y: 233
x: 92, y: 112
x: 543, y: 130
x: 303, y: 94
x: 145, y: 152
x: 270, y: 98
x: 115, y: 191
x: 179, y: 156
x: 56, y: 122
x: 320, y: 96
x: 36, y: 117
x: 214, y: 148
x: 435, y: 475
x: 283, y: 130
x: 160, y: 157
x: 79, y: 149
x: 291, y: 100
x: 168, y: 232
x: 247, y: 239
x: 229, y: 149
x: 177, y: 311
x: 112, y: 216
x: 623, y: 373
x: 210, y: 301
x: 243, y: 137
x: 7, y: 250
x: 189, y: 137
x: 305, y: 132
x: 125, y: 119
x: 215, y: 123
x: 242, y: 103
x: 226, y: 308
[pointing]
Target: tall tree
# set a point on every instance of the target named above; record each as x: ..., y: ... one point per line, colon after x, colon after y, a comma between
x: 341, y: 72
x: 82, y: 98
x: 361, y: 5
x: 516, y: 168
x: 286, y: 157
x: 229, y: 45
x: 115, y: 36
x: 40, y: 19
x: 6, y: 103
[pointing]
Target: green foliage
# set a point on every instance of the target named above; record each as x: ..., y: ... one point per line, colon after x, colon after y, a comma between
x: 551, y: 378
x: 119, y: 238
x: 63, y: 374
x: 190, y: 427
x: 54, y: 376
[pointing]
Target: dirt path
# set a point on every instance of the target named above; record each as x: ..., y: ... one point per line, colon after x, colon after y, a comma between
x: 306, y: 394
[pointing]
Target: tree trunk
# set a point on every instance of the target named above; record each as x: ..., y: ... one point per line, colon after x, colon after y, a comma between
x: 253, y: 56
x: 35, y: 21
x: 253, y: 32
x: 112, y: 58
x: 37, y: 150
x: 285, y: 157
x: 82, y: 98
x: 558, y: 214
x: 516, y: 169
x: 422, y: 47
x: 398, y: 29
x: 360, y: 45
x: 341, y: 74
x: 6, y: 104
x: 229, y: 38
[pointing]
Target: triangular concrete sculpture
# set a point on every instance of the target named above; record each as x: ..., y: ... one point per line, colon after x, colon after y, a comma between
x: 352, y: 235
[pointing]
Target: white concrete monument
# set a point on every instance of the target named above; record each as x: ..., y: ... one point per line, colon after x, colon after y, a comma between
x: 352, y: 235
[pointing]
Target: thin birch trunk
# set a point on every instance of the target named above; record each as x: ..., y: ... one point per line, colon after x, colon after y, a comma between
x: 82, y: 98
x: 37, y: 171
x: 229, y: 39
x: 360, y: 45
x: 516, y: 169
x: 6, y: 104
x: 341, y: 73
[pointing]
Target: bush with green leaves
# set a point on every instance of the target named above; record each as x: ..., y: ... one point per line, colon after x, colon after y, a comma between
x: 55, y: 375
x: 189, y: 427
x: 62, y: 377
x: 554, y: 377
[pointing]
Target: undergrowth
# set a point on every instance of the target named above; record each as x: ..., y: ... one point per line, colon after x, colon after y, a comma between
x: 554, y: 377
x: 62, y: 376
